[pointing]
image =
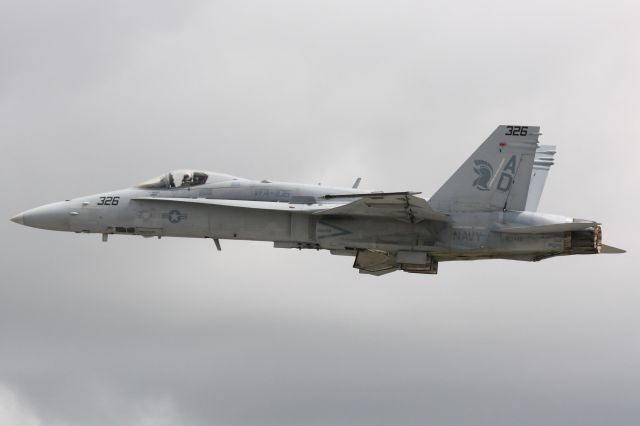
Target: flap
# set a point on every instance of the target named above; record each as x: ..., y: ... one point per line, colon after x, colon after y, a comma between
x: 401, y: 206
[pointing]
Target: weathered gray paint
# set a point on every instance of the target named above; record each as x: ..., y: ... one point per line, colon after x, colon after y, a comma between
x: 475, y: 215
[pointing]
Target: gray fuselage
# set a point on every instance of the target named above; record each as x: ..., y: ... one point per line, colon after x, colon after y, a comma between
x: 469, y: 235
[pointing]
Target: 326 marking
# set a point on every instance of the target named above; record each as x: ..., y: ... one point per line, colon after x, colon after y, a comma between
x: 109, y: 201
x: 517, y: 130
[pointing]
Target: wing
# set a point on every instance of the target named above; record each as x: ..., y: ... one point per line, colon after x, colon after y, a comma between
x: 398, y: 205
x: 403, y: 206
x: 246, y: 204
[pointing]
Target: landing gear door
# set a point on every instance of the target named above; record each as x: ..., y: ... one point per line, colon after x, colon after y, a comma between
x: 147, y: 219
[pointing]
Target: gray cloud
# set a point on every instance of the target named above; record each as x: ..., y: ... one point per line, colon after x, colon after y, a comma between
x: 96, y: 96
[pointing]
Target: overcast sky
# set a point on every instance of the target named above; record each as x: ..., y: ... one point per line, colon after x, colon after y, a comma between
x: 99, y: 95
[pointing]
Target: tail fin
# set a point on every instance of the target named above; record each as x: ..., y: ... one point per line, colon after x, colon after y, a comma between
x: 496, y: 176
x: 541, y: 165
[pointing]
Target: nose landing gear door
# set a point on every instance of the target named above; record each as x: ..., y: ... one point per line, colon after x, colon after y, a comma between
x: 147, y: 219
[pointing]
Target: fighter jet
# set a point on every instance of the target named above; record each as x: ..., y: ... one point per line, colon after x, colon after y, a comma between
x: 485, y: 210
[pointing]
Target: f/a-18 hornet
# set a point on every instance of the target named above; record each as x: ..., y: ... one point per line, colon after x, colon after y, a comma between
x: 486, y: 210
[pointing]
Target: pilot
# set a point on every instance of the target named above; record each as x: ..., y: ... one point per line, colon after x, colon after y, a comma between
x: 185, y: 180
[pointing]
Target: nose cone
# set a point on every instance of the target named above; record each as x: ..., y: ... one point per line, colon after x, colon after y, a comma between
x: 19, y: 219
x: 53, y: 216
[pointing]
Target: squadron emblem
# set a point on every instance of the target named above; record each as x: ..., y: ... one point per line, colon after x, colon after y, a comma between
x: 484, y: 170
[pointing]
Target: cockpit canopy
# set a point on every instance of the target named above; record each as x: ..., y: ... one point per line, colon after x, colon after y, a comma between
x: 185, y: 178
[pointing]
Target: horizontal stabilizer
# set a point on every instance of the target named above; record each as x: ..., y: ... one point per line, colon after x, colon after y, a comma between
x: 611, y: 250
x: 401, y: 206
x: 545, y: 229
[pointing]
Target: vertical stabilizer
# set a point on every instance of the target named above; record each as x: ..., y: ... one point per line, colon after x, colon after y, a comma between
x: 496, y: 176
x: 541, y: 165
